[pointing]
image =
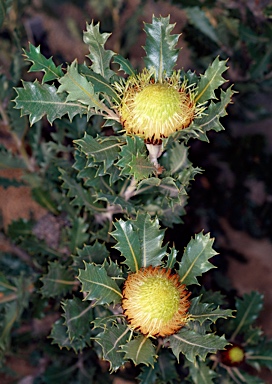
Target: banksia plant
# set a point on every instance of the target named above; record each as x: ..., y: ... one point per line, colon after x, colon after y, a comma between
x: 119, y: 178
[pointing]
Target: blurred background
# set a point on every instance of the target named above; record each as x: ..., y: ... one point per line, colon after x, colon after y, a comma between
x: 232, y: 198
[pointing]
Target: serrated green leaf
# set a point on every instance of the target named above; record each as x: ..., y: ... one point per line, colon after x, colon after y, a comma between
x: 79, y: 89
x: 100, y: 84
x: 151, y: 238
x: 111, y: 341
x: 38, y: 100
x: 102, y: 150
x: 171, y: 258
x: 128, y: 244
x: 199, y: 19
x: 58, y: 281
x: 204, y: 311
x: 210, y: 120
x: 210, y: 81
x: 248, y: 310
x: 200, y: 373
x: 114, y: 271
x: 99, y: 56
x: 194, y: 261
x: 141, y: 167
x: 80, y: 196
x: 98, y: 285
x: 60, y: 337
x: 140, y: 350
x: 260, y: 355
x: 41, y: 63
x: 124, y: 64
x: 193, y: 344
x: 161, y: 52
x: 148, y: 374
x: 134, y: 145
x: 95, y: 253
x: 78, y: 316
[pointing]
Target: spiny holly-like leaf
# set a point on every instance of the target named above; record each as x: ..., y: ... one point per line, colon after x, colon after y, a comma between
x: 140, y: 241
x: 193, y: 344
x: 151, y: 238
x: 95, y: 253
x: 41, y: 63
x: 161, y: 52
x: 80, y: 196
x: 100, y: 84
x: 171, y: 258
x: 134, y: 145
x: 140, y: 350
x: 79, y: 89
x: 210, y: 120
x: 60, y: 337
x: 200, y: 373
x: 58, y: 281
x: 124, y: 64
x: 114, y: 271
x: 111, y: 341
x: 141, y: 167
x: 99, y: 56
x: 102, y: 150
x: 210, y: 81
x: 248, y: 310
x: 98, y: 285
x: 128, y: 243
x: 204, y: 311
x: 38, y: 100
x: 148, y: 374
x: 78, y: 316
x: 194, y: 261
x: 260, y: 355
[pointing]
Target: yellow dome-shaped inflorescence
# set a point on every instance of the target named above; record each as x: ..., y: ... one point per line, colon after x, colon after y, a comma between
x: 155, y: 110
x: 154, y: 301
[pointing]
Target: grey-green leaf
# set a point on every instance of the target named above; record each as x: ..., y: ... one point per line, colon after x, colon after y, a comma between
x: 38, y: 100
x: 193, y: 344
x: 128, y: 244
x: 111, y: 341
x: 140, y: 350
x: 78, y: 316
x: 98, y: 285
x: 161, y: 52
x: 99, y: 56
x: 205, y: 311
x: 194, y: 261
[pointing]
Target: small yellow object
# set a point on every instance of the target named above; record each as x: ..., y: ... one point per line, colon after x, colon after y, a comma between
x: 154, y: 110
x: 236, y: 355
x: 154, y: 301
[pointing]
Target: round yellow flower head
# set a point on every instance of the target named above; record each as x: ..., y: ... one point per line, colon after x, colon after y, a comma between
x: 154, y: 110
x: 154, y: 301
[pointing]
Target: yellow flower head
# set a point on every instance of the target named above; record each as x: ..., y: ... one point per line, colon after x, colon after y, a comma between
x: 154, y: 110
x: 154, y: 301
